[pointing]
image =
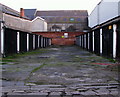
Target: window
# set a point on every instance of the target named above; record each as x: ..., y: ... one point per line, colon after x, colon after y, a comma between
x: 72, y: 19
x: 65, y: 19
x: 66, y: 35
x: 50, y: 19
x: 78, y: 19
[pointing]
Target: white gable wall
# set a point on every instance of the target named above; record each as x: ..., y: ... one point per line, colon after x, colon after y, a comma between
x: 38, y: 25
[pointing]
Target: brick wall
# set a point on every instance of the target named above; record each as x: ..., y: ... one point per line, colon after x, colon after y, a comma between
x: 58, y: 37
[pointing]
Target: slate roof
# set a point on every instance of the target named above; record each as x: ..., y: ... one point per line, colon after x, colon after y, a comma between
x: 8, y: 10
x: 62, y: 13
x: 63, y: 16
x: 30, y: 13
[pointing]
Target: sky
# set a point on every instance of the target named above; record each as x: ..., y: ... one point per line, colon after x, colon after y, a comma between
x: 52, y: 4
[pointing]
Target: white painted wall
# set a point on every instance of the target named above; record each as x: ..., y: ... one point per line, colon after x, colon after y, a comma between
x: 104, y: 11
x: 38, y: 25
x: 17, y: 23
x: 107, y: 11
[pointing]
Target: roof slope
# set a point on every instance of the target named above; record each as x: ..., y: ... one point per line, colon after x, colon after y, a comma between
x: 60, y: 13
x: 30, y: 13
x: 8, y: 10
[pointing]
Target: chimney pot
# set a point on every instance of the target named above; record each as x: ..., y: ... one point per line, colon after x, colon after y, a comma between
x: 22, y: 12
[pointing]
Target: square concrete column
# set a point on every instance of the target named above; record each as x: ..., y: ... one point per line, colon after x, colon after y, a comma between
x: 27, y: 42
x: 2, y: 39
x: 93, y: 41
x: 33, y: 41
x: 101, y: 41
x: 114, y: 40
x: 18, y: 42
x: 88, y: 40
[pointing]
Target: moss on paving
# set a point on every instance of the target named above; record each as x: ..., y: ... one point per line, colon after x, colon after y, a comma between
x: 12, y: 58
x: 38, y: 68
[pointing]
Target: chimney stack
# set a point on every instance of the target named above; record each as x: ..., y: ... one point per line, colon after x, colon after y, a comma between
x: 22, y: 12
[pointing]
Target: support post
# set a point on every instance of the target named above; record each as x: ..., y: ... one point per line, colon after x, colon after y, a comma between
x: 88, y: 40
x: 27, y: 42
x: 38, y: 41
x: 101, y: 41
x: 2, y: 40
x: 93, y: 41
x: 33, y: 41
x: 114, y: 40
x: 18, y: 42
x: 41, y: 41
x: 85, y: 41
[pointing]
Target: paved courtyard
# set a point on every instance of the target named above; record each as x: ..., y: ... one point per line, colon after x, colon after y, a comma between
x: 59, y: 71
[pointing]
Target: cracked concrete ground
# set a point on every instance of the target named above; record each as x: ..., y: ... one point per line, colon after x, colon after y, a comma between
x: 59, y: 70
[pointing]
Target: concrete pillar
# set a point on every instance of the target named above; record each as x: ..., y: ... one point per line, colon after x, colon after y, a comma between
x: 44, y: 40
x: 27, y: 42
x: 80, y: 40
x: 84, y: 40
x: 38, y: 41
x: 33, y: 41
x: 93, y: 41
x: 41, y: 41
x: 18, y: 42
x: 50, y: 42
x: 88, y: 40
x: 2, y: 39
x: 101, y: 41
x: 114, y: 40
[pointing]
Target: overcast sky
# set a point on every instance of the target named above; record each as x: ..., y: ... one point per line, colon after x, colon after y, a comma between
x: 52, y: 4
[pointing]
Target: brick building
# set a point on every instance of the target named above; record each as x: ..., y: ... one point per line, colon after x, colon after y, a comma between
x: 62, y: 20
